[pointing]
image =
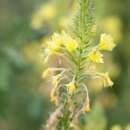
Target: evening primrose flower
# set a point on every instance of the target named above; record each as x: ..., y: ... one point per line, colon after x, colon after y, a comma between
x: 112, y: 25
x: 70, y: 44
x: 45, y: 13
x: 58, y: 39
x: 48, y: 11
x: 71, y: 87
x: 95, y: 56
x: 106, y: 79
x: 63, y: 22
x: 53, y: 46
x: 106, y: 42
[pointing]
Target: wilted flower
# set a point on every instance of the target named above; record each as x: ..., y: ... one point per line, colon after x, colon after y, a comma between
x: 71, y: 87
x: 69, y: 42
x: 106, y: 79
x: 86, y: 108
x: 113, y: 26
x: 56, y: 79
x: 53, y: 97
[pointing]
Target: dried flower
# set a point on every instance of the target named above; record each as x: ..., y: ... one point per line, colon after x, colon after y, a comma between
x: 106, y: 80
x: 86, y: 108
x: 71, y: 87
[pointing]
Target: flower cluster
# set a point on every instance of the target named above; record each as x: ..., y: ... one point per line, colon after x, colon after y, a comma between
x: 62, y: 45
x: 69, y: 88
x: 106, y: 44
x: 59, y: 44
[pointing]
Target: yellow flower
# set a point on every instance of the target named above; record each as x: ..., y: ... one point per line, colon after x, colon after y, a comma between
x: 52, y: 47
x: 86, y: 108
x: 45, y: 13
x: 70, y: 44
x: 106, y: 42
x: 112, y: 25
x: 71, y: 87
x: 48, y: 11
x: 96, y: 56
x: 106, y: 80
x: 36, y: 22
x: 116, y: 127
x: 58, y: 39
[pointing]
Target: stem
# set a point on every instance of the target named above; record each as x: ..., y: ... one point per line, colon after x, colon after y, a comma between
x: 83, y: 10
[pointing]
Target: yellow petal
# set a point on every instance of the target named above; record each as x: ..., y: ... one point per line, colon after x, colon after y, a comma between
x: 106, y: 79
x: 58, y: 39
x: 96, y: 56
x: 106, y: 42
x: 69, y: 42
x: 71, y: 45
x: 71, y: 87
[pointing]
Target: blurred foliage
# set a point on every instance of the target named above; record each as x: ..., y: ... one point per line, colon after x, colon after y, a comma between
x: 94, y: 120
x: 22, y: 106
x: 119, y: 114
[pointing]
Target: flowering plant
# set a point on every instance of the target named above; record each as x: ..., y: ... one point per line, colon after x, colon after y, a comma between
x: 78, y: 50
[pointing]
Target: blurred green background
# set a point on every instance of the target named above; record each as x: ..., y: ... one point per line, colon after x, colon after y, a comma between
x: 24, y: 100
